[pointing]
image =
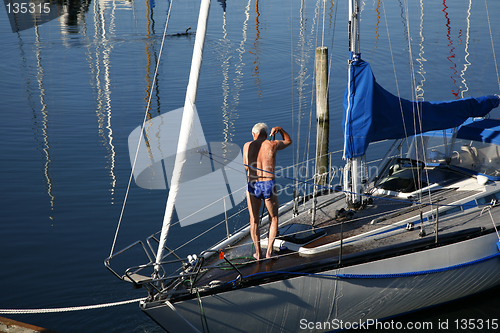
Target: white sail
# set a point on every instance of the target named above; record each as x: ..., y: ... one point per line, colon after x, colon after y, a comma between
x: 188, y: 138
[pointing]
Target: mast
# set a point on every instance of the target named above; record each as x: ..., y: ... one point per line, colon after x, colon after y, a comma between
x: 354, y: 30
x: 353, y: 169
x: 186, y: 138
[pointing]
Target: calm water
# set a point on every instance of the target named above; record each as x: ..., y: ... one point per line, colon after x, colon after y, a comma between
x: 73, y: 89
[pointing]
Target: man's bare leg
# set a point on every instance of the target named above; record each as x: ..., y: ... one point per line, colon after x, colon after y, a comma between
x: 272, y: 208
x: 253, y: 209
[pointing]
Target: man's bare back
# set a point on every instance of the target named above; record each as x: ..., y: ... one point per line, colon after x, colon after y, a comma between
x: 259, y: 156
x: 262, y: 159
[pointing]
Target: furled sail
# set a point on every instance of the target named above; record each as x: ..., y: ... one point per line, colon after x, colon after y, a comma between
x: 372, y: 114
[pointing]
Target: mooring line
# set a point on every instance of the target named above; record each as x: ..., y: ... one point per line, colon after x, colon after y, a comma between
x: 68, y: 309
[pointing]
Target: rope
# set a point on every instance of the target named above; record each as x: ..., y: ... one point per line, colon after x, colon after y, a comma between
x: 379, y: 276
x: 425, y: 272
x: 493, y: 221
x: 171, y: 306
x: 203, y: 317
x: 68, y: 309
x: 250, y: 260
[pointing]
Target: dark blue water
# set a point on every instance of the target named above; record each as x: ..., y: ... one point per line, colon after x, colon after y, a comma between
x: 72, y: 90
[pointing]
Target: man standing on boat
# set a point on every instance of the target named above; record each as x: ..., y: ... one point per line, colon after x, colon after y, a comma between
x: 259, y: 157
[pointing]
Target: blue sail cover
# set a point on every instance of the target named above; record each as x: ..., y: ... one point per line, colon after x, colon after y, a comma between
x: 372, y: 114
x: 487, y: 131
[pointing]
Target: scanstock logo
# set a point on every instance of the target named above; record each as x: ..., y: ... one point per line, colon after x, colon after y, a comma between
x: 209, y: 186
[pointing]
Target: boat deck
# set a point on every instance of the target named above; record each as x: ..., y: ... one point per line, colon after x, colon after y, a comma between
x: 378, y: 230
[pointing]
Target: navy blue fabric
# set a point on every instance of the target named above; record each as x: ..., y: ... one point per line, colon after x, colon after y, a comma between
x: 372, y: 114
x: 487, y: 130
x: 263, y: 189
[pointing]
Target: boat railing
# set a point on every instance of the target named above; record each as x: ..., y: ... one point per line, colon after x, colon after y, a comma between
x: 181, y: 279
x: 158, y: 276
x: 153, y: 251
x: 140, y: 274
x: 155, y: 275
x: 107, y: 261
x: 149, y: 273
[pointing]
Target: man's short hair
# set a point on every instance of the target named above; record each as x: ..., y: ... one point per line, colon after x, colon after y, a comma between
x: 259, y: 128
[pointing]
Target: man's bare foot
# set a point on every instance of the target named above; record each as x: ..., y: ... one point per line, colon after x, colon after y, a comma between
x: 271, y: 256
x: 257, y: 256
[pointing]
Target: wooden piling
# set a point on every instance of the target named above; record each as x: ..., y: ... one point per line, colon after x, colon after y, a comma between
x: 322, y: 116
x: 10, y: 325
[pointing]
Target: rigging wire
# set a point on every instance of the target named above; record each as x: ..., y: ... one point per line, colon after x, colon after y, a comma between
x: 492, y: 44
x: 142, y: 130
x: 293, y: 96
x: 330, y: 61
x: 319, y: 147
x: 313, y: 84
x: 417, y: 114
x: 394, y: 69
x: 324, y: 18
x: 239, y: 189
x: 414, y: 89
x: 21, y: 311
x: 243, y: 209
x: 416, y: 202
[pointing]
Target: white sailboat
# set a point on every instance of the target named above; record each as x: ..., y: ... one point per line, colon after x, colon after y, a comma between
x: 437, y: 241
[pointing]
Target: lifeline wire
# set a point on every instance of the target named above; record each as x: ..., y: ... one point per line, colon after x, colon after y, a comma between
x: 379, y: 276
x: 326, y: 187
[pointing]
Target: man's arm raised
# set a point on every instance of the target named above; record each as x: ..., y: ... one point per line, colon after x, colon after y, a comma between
x: 286, y: 138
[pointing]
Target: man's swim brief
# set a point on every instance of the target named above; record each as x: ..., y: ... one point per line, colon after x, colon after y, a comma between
x: 263, y: 189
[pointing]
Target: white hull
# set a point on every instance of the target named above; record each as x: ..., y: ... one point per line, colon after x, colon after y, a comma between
x: 294, y: 304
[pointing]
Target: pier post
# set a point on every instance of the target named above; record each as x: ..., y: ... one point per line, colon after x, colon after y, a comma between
x: 322, y: 116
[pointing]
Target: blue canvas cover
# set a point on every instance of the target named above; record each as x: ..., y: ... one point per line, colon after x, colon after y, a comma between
x: 487, y: 131
x: 372, y: 114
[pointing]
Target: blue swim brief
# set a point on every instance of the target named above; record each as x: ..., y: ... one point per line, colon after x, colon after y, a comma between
x: 263, y: 189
